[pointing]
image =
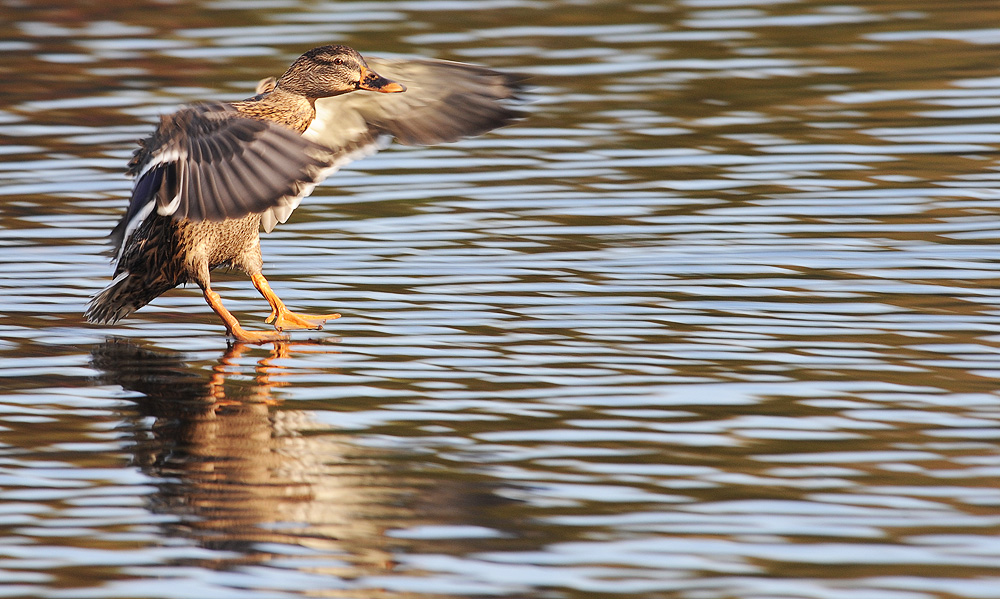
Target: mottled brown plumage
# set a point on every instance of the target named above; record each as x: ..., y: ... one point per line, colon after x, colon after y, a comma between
x: 212, y: 174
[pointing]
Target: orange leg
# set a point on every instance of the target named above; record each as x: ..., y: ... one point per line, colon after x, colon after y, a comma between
x: 281, y: 316
x: 233, y: 325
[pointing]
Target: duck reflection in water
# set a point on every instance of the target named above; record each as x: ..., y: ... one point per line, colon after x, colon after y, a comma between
x: 238, y: 472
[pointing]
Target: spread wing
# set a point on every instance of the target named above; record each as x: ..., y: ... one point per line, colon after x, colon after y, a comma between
x: 207, y: 162
x: 443, y: 102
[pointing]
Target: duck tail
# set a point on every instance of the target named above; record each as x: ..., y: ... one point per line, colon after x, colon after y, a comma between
x: 123, y: 296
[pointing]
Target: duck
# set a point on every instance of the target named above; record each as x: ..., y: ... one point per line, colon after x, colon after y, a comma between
x: 213, y: 175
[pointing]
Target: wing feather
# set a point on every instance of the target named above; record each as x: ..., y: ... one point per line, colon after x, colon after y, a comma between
x: 207, y: 162
x: 443, y: 102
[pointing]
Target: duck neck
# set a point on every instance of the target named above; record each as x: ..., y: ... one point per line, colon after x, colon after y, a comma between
x: 290, y: 109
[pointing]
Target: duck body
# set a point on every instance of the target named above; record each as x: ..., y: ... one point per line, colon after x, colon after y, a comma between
x: 212, y: 175
x: 164, y: 253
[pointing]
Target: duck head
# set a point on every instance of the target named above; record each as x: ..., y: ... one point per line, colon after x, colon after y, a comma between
x: 333, y: 70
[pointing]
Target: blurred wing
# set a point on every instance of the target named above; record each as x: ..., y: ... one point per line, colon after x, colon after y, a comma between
x: 443, y: 102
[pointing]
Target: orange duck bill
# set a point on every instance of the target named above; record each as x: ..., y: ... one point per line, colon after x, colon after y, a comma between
x: 373, y: 82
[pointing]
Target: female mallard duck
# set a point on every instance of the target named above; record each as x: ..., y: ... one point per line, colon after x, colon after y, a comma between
x: 213, y: 174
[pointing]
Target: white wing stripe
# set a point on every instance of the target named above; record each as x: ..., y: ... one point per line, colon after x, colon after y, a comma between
x: 131, y: 226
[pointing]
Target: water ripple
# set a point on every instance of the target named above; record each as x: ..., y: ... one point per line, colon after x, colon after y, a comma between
x: 718, y: 319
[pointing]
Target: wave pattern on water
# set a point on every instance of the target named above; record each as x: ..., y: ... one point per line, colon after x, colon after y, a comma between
x: 719, y: 319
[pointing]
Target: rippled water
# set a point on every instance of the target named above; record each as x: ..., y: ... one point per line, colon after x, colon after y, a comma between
x: 720, y: 319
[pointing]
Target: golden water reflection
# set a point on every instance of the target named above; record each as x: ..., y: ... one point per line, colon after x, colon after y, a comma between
x: 246, y: 477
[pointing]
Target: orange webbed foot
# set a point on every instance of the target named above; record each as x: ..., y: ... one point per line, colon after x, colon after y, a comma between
x: 284, y: 319
x: 257, y: 337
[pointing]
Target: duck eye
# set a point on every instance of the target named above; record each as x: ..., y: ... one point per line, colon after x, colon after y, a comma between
x: 338, y: 61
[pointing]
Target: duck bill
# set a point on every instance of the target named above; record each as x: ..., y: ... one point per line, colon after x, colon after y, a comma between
x: 373, y: 82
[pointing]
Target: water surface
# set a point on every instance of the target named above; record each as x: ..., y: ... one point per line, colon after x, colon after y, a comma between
x: 719, y: 319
